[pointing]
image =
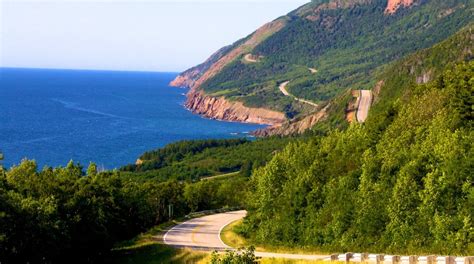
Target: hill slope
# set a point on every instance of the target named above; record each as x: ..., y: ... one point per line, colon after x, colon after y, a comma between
x: 401, y: 183
x: 323, y: 48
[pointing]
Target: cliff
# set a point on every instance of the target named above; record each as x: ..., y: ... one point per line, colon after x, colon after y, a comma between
x: 293, y: 127
x: 394, y: 5
x: 348, y: 41
x: 188, y: 77
x: 222, y: 109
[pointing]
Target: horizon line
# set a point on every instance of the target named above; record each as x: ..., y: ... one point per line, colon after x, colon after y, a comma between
x: 86, y: 69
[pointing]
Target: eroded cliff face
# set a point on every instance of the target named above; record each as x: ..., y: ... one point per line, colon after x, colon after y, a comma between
x: 313, y: 13
x: 394, y: 5
x: 293, y: 127
x: 222, y: 109
x: 256, y: 38
x: 186, y: 79
x: 196, y: 76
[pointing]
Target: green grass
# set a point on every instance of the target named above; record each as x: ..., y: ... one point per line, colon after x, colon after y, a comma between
x: 231, y: 238
x: 158, y: 253
x: 290, y: 261
x: 148, y: 248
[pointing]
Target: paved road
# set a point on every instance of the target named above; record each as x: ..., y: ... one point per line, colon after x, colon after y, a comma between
x: 203, y: 233
x: 365, y: 101
x: 282, y: 88
x: 248, y: 58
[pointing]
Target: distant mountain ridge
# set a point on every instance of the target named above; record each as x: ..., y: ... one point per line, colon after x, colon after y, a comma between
x: 324, y: 48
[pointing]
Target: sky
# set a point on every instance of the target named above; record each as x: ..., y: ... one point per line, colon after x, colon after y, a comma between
x: 143, y: 35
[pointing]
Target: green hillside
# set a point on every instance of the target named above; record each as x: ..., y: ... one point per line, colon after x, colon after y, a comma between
x: 400, y: 183
x: 347, y: 46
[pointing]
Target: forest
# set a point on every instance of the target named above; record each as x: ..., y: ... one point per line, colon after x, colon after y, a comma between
x: 193, y: 160
x: 345, y: 54
x: 400, y: 183
x: 71, y: 215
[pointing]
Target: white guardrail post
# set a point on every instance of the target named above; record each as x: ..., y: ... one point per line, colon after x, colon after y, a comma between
x: 396, y: 259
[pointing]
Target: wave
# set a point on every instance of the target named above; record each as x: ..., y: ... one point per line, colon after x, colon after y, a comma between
x: 74, y: 106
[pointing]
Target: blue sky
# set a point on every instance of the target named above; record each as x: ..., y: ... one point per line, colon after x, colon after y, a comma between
x: 158, y: 35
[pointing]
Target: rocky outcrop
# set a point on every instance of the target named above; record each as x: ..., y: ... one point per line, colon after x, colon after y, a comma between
x: 394, y: 5
x: 196, y: 76
x: 313, y: 13
x: 294, y: 127
x: 222, y: 109
x: 256, y: 38
x: 424, y: 78
x: 351, y: 108
x: 187, y: 78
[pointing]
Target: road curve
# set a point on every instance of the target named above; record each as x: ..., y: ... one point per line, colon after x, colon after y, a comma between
x: 282, y: 88
x: 365, y: 101
x: 203, y: 234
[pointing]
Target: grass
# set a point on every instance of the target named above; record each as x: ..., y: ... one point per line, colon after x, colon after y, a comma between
x: 291, y: 261
x: 154, y: 253
x: 148, y: 248
x: 230, y: 237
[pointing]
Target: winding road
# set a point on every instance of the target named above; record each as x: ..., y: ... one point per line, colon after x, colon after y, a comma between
x: 203, y: 234
x: 282, y: 88
x: 365, y: 101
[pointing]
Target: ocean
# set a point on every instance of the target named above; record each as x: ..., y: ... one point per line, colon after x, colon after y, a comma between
x: 110, y: 118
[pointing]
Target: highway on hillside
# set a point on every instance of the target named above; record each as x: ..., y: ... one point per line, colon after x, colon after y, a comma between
x: 365, y: 101
x: 203, y: 234
x: 282, y: 88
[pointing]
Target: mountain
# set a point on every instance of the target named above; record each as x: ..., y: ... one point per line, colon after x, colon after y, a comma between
x: 294, y: 71
x: 401, y: 183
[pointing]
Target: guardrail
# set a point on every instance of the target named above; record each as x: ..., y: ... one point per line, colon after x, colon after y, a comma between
x: 396, y: 259
x: 214, y: 211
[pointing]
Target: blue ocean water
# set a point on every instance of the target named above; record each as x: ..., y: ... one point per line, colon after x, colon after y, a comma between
x: 53, y: 116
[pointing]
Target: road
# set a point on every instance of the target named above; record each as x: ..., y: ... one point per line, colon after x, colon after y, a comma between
x: 248, y: 58
x: 365, y: 101
x: 203, y: 234
x: 282, y: 88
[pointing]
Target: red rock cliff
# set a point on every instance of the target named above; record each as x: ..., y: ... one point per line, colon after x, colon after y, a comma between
x: 222, y: 109
x: 394, y: 5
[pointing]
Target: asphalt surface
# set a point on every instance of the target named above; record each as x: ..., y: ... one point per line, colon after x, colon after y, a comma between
x: 203, y: 234
x: 282, y: 88
x: 365, y: 101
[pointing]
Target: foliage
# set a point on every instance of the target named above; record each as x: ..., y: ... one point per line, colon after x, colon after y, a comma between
x: 400, y: 183
x: 192, y: 160
x: 348, y: 47
x: 246, y: 256
x: 149, y: 248
x: 58, y: 215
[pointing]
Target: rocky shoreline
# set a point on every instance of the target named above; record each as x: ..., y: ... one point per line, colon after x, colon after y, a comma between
x: 220, y: 108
